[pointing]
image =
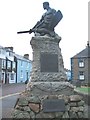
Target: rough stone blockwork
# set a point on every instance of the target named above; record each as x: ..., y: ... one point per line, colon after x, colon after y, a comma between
x: 30, y: 106
x: 48, y: 83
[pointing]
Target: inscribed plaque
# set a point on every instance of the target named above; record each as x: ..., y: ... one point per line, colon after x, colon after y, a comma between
x: 49, y: 62
x: 53, y: 105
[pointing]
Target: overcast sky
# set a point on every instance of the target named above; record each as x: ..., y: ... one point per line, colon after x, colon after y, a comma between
x: 19, y: 15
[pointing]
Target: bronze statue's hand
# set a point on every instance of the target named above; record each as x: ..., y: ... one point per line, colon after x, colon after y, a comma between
x: 30, y: 31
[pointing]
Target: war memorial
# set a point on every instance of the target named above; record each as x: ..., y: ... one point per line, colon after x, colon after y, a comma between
x: 48, y: 94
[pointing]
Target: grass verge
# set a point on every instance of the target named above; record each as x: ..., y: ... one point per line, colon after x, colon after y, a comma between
x: 83, y: 89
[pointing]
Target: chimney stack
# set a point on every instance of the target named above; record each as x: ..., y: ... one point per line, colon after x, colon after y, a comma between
x: 11, y: 48
x: 26, y: 56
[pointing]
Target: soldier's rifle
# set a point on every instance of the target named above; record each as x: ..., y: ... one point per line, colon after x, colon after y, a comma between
x: 31, y: 30
x: 20, y: 32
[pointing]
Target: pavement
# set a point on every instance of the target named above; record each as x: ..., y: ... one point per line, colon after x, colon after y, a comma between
x: 8, y: 105
x: 8, y: 98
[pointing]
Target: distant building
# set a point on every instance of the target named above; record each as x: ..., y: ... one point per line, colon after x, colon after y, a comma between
x: 2, y: 64
x: 68, y: 74
x: 80, y: 66
x: 23, y: 68
x: 10, y: 70
x: 13, y: 68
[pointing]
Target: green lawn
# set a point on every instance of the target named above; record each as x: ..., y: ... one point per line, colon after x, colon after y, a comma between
x: 84, y: 89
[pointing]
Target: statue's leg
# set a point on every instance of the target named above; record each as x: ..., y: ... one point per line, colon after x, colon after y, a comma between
x: 43, y: 31
x: 43, y: 28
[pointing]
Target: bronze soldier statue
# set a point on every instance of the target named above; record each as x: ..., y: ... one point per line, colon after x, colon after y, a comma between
x: 47, y: 22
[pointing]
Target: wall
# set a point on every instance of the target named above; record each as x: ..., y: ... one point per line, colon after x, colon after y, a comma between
x: 75, y: 69
x: 25, y: 69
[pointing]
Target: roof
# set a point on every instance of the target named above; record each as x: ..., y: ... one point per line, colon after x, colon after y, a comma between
x: 21, y: 58
x: 84, y: 53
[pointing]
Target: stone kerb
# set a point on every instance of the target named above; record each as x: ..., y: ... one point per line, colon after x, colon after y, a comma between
x: 43, y: 46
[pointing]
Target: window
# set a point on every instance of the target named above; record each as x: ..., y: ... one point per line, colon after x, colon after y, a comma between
x: 13, y: 65
x: 81, y: 63
x: 21, y: 74
x: 3, y: 63
x: 10, y: 54
x: 2, y: 51
x: 21, y: 63
x: 7, y: 53
x: 2, y: 77
x: 81, y: 75
x: 27, y: 65
x: 8, y: 64
x: 12, y: 76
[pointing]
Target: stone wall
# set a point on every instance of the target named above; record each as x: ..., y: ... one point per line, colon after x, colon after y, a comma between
x: 30, y: 106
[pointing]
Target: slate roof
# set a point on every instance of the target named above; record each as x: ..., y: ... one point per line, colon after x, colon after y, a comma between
x: 84, y: 53
x: 21, y: 58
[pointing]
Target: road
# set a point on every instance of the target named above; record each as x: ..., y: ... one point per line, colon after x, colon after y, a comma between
x: 10, y: 93
x: 12, y: 88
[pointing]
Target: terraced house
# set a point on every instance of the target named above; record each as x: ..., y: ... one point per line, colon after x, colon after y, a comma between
x: 80, y: 66
x: 11, y: 70
x: 23, y: 68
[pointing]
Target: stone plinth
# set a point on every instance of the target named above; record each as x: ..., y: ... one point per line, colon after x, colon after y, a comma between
x: 31, y: 106
x: 47, y: 60
x: 48, y: 74
x: 48, y: 83
x: 51, y: 88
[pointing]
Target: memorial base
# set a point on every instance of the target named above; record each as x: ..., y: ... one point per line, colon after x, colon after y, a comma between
x: 45, y: 106
x: 48, y: 95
